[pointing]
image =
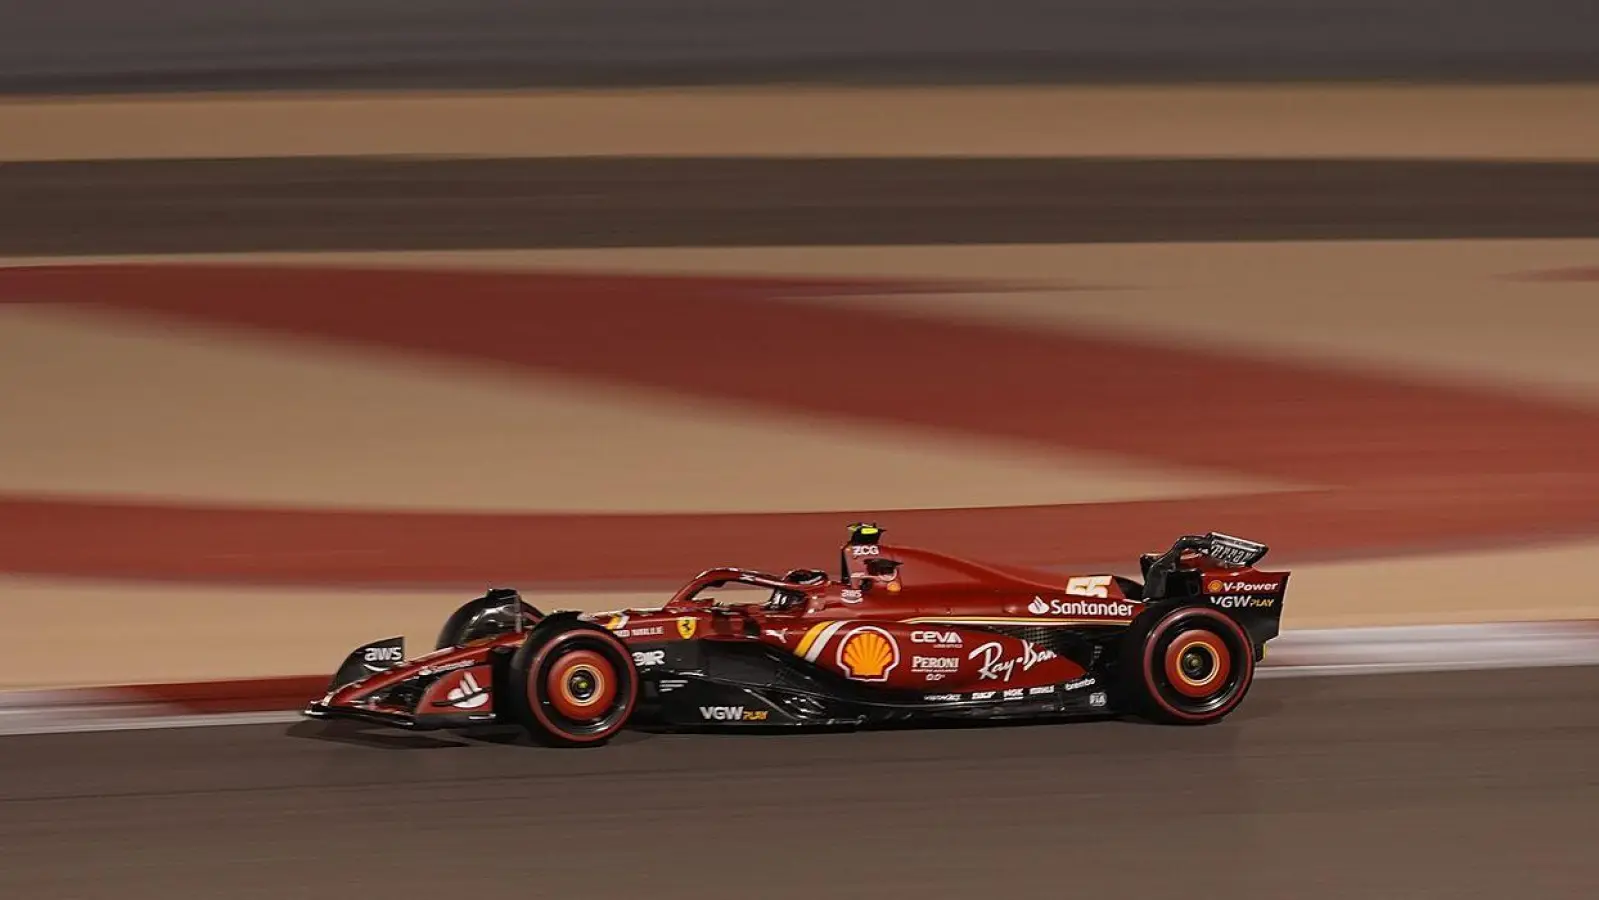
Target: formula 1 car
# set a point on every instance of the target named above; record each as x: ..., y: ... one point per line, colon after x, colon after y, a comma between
x: 900, y: 635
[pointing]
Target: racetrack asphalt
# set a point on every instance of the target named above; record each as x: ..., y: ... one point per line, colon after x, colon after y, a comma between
x: 1462, y: 785
x: 332, y: 203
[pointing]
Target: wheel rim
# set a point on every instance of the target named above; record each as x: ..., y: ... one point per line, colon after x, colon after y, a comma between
x: 581, y: 685
x: 1197, y: 664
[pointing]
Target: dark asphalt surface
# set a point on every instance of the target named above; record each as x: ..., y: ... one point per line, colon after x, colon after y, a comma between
x: 1448, y: 786
x: 193, y: 206
x: 137, y: 45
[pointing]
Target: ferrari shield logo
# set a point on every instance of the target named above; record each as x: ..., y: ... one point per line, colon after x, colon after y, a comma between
x: 686, y: 627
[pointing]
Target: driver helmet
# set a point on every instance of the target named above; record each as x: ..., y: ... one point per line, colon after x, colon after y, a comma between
x: 879, y: 569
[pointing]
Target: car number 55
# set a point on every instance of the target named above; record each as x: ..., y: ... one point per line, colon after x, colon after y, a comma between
x: 1089, y: 586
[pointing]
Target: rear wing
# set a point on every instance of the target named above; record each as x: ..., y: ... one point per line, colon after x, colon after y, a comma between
x: 1225, y: 549
x: 1232, y: 551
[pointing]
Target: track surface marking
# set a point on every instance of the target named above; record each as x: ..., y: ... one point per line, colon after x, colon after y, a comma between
x: 1458, y: 786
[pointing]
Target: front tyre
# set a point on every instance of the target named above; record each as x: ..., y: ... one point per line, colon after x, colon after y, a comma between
x: 1191, y: 666
x: 572, y: 684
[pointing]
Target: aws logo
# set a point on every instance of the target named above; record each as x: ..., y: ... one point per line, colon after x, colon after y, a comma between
x: 868, y: 654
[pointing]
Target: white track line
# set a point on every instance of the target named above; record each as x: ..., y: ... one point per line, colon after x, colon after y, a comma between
x: 63, y: 721
x: 1302, y: 654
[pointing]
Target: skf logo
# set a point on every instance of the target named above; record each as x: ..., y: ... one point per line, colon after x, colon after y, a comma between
x: 868, y: 654
x: 686, y: 627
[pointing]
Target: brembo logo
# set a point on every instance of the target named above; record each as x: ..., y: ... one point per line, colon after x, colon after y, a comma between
x: 1108, y: 608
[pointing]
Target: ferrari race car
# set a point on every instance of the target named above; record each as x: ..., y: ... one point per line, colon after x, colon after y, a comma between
x: 899, y: 635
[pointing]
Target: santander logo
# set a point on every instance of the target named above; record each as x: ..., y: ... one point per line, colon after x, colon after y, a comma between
x: 1115, y: 609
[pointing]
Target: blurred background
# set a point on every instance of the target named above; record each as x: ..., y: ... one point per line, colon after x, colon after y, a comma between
x: 318, y: 318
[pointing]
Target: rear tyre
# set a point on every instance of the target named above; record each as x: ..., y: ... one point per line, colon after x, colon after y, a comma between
x: 1191, y: 666
x: 572, y: 684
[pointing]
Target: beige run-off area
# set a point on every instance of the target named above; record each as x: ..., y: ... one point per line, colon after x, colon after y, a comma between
x: 1372, y: 304
x: 1527, y: 122
x: 117, y: 633
x: 1446, y: 309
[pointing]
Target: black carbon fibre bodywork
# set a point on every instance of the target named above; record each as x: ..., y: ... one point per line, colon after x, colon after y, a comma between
x: 718, y: 683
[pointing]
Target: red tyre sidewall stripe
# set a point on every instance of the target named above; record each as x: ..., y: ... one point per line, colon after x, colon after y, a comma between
x: 629, y: 673
x: 1246, y: 661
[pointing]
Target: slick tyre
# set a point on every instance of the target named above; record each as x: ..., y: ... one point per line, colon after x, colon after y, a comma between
x: 1192, y: 665
x: 572, y: 684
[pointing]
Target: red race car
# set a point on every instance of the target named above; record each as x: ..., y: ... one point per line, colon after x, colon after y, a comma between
x: 899, y: 635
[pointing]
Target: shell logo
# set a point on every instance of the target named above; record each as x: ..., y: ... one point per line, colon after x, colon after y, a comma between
x: 1214, y: 586
x: 868, y: 654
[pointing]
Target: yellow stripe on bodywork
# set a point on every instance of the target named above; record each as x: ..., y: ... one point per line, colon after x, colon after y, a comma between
x: 815, y: 640
x: 809, y: 639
